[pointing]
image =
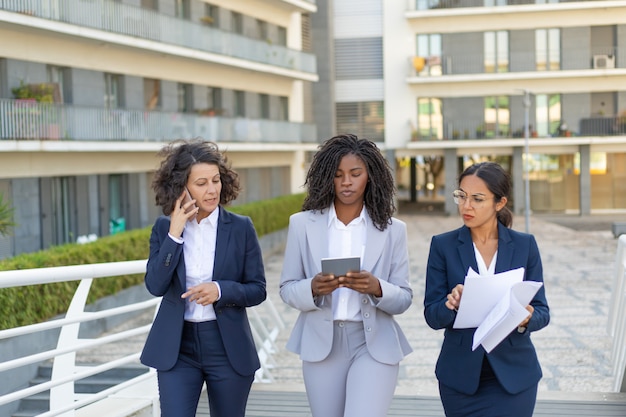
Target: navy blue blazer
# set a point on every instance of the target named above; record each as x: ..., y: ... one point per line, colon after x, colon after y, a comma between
x: 514, y: 360
x: 238, y: 269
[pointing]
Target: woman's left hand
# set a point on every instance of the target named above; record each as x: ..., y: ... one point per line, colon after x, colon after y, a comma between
x: 363, y: 282
x: 205, y: 294
x: 527, y: 319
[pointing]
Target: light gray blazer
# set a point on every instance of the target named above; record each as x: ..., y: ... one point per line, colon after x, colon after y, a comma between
x: 386, y: 257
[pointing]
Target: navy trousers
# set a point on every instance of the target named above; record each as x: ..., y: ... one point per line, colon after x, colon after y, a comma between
x: 202, y: 359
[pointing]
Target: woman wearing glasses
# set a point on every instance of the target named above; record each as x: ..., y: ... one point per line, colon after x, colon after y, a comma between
x: 504, y: 381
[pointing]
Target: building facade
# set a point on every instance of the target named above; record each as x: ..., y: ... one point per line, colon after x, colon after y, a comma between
x: 90, y: 90
x: 443, y: 83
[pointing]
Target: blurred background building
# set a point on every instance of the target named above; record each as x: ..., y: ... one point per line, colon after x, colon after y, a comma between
x: 91, y: 89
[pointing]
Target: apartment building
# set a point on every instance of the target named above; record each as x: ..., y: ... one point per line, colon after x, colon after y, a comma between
x: 90, y: 90
x: 443, y: 83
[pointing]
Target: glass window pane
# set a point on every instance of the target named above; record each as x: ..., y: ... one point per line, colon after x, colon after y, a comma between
x: 541, y: 50
x: 489, y: 51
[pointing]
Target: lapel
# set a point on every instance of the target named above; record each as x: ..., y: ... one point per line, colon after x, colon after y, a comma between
x: 374, y: 243
x: 224, y: 228
x: 466, y: 250
x: 317, y: 235
x: 506, y: 247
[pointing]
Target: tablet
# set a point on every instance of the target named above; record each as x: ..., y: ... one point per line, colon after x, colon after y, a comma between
x: 341, y: 266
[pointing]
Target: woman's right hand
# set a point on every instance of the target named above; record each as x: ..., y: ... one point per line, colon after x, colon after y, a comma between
x: 324, y: 284
x: 454, y: 298
x: 180, y: 215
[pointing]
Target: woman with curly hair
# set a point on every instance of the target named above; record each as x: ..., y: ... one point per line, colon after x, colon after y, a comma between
x: 346, y: 336
x: 207, y: 265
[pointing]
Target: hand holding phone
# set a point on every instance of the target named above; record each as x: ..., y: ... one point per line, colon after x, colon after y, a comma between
x: 186, y: 200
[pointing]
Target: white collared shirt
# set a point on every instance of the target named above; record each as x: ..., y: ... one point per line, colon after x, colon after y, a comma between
x: 483, y: 269
x: 346, y: 241
x: 199, y: 251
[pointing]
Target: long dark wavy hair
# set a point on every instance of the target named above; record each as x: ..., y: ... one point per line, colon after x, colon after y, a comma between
x: 178, y: 158
x: 380, y: 189
x: 498, y: 181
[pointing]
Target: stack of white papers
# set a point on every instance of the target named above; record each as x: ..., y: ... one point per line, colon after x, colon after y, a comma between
x: 494, y: 304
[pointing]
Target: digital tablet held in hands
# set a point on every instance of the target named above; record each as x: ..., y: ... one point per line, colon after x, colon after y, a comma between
x: 341, y: 266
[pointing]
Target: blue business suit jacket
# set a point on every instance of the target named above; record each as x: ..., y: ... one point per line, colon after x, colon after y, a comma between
x: 386, y: 257
x: 514, y: 360
x: 239, y: 270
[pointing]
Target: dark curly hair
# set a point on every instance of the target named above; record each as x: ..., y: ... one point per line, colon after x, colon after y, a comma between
x: 498, y: 181
x: 178, y: 158
x: 380, y: 189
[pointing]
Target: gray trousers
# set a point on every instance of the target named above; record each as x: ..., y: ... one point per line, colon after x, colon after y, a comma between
x: 349, y: 382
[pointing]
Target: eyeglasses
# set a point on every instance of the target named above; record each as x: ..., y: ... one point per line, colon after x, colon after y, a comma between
x: 476, y: 201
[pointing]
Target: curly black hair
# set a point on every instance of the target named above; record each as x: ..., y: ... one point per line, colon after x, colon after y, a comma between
x: 379, y: 192
x: 178, y: 158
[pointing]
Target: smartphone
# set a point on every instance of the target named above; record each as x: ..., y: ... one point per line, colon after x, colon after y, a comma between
x: 187, y: 199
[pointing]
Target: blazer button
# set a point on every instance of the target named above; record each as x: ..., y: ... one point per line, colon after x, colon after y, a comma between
x: 168, y: 259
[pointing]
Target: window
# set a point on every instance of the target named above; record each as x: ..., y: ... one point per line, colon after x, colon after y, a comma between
x: 211, y: 15
x: 117, y: 221
x: 214, y: 100
x: 548, y: 114
x: 429, y: 48
x: 264, y: 106
x: 149, y: 4
x: 261, y: 29
x: 429, y: 119
x: 240, y: 104
x: 237, y: 23
x: 55, y: 76
x: 283, y: 108
x: 548, y: 49
x: 152, y: 93
x: 496, y: 51
x: 111, y: 90
x: 497, y: 117
x: 282, y: 36
x: 183, y: 11
x: 185, y: 100
x: 364, y: 119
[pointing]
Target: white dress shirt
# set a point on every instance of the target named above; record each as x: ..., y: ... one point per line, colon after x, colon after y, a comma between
x: 199, y: 251
x: 346, y: 241
x: 483, y: 269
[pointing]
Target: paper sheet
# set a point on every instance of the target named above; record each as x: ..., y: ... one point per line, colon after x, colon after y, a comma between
x: 481, y: 294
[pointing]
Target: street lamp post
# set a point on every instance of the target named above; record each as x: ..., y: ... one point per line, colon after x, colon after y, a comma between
x: 526, y: 102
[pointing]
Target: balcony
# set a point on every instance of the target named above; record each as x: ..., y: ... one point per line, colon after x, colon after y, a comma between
x: 117, y: 18
x: 473, y: 129
x: 603, y: 58
x: 455, y: 4
x: 29, y: 120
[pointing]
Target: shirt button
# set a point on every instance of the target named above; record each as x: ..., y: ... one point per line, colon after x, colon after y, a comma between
x: 341, y: 324
x: 366, y: 315
x: 364, y: 301
x: 368, y: 329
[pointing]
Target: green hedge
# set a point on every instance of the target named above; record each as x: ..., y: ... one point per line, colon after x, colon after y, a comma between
x: 32, y: 304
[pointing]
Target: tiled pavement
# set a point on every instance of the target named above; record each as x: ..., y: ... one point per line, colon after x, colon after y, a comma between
x: 574, y: 350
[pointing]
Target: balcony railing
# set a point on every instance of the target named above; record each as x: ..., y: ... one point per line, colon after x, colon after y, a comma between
x: 26, y: 119
x: 455, y: 4
x: 434, y: 66
x: 115, y: 17
x: 472, y: 129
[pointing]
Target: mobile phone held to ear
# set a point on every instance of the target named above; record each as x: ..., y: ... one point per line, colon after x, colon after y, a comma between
x: 186, y: 200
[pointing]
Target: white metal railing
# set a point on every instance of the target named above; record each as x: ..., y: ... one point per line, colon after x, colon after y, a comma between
x: 28, y: 119
x: 424, y: 5
x: 617, y: 317
x: 64, y: 370
x: 265, y: 321
x: 116, y: 17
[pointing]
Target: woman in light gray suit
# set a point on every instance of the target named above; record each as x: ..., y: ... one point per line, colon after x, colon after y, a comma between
x: 346, y: 336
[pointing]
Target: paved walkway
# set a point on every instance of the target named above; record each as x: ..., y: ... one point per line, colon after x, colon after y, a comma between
x: 574, y: 350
